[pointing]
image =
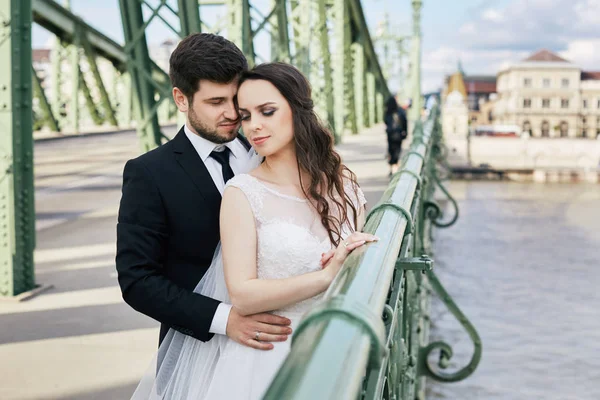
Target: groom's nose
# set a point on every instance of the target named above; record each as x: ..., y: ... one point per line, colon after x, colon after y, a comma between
x: 230, y: 112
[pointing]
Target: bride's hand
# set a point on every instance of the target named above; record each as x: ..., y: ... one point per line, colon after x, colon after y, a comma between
x: 333, y: 260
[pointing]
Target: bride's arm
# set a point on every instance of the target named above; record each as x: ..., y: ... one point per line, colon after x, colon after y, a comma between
x: 250, y: 295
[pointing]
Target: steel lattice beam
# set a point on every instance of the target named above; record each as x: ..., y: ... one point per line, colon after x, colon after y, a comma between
x: 17, y: 216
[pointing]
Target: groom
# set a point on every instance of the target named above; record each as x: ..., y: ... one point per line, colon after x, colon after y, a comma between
x: 168, y: 226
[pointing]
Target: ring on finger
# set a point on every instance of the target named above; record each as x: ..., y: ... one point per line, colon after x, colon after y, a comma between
x: 346, y: 244
x: 257, y: 336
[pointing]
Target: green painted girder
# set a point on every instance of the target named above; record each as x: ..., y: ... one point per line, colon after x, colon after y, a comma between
x: 349, y: 95
x: 358, y: 15
x: 280, y: 38
x: 360, y: 88
x: 38, y: 91
x: 320, y: 72
x: 17, y: 215
x: 340, y: 65
x: 139, y: 67
x: 109, y: 111
x: 301, y: 23
x: 56, y: 59
x: 91, y: 105
x: 415, y: 110
x: 240, y: 29
x: 76, y: 86
x: 60, y: 21
x: 189, y: 16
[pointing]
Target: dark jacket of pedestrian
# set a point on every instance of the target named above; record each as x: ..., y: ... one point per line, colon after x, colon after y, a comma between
x: 396, y: 128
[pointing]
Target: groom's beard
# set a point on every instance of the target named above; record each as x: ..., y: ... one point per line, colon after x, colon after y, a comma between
x: 211, y: 134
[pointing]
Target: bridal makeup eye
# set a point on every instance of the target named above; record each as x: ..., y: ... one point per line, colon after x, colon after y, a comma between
x: 267, y: 112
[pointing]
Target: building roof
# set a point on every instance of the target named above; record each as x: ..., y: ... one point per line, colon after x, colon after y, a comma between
x: 40, y: 55
x: 590, y: 75
x: 545, y: 55
x: 457, y: 84
x: 476, y: 86
x: 481, y: 78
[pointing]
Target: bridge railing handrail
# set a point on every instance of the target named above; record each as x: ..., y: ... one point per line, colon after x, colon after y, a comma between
x: 344, y: 338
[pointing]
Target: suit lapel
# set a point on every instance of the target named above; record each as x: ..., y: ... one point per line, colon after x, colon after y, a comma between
x: 194, y: 167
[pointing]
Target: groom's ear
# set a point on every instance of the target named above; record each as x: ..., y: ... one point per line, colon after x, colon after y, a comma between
x: 181, y: 100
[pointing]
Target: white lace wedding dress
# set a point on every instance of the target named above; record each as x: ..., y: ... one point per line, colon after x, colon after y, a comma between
x: 290, y: 241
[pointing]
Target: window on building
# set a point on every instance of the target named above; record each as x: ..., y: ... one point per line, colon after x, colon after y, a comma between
x: 585, y: 103
x: 527, y: 82
x: 565, y: 83
x: 584, y: 121
x: 545, y: 103
x: 527, y: 127
x: 564, y: 103
x: 545, y: 129
x: 546, y: 82
x: 472, y: 99
x: 584, y: 133
x: 526, y: 103
x: 564, y: 129
x: 597, y: 133
x: 598, y: 104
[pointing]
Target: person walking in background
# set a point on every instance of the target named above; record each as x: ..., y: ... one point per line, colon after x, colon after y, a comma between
x: 396, y: 127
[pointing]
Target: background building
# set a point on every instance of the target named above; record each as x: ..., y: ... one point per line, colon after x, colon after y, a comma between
x: 549, y: 96
x: 477, y: 91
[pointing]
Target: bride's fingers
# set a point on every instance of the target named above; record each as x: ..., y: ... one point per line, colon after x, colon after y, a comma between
x: 355, y: 245
x: 357, y: 236
x: 327, y: 256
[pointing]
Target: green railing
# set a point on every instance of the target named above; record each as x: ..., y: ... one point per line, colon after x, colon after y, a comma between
x: 369, y: 338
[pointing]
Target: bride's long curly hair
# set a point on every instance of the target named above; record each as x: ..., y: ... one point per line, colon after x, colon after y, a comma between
x: 315, y: 153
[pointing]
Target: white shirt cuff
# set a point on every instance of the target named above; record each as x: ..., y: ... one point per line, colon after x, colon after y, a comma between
x: 219, y: 322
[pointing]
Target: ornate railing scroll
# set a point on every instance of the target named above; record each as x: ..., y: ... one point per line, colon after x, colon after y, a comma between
x: 369, y: 339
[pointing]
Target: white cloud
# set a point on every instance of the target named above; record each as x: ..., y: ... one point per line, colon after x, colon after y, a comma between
x: 532, y: 24
x: 585, y: 53
x: 492, y: 15
x: 467, y: 29
x: 493, y: 38
x: 588, y: 13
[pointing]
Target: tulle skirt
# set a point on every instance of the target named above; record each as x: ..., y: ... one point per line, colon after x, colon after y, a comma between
x: 244, y: 373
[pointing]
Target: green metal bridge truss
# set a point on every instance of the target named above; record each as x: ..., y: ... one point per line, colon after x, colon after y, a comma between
x: 369, y: 339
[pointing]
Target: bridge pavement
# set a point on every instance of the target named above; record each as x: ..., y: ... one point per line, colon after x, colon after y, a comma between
x: 79, y: 340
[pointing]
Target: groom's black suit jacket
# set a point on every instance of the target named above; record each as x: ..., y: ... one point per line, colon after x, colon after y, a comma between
x: 167, y: 232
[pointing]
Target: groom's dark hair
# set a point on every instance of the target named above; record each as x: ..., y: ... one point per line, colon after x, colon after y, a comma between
x: 204, y: 56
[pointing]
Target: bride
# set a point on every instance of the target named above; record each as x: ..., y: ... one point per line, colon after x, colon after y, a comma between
x: 286, y: 229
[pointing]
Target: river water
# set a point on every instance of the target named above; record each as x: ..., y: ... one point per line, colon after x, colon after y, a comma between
x: 523, y: 263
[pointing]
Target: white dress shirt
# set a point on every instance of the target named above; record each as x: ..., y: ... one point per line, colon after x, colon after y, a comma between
x: 241, y: 161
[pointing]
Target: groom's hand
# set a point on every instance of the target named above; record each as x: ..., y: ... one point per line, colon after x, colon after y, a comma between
x: 270, y: 328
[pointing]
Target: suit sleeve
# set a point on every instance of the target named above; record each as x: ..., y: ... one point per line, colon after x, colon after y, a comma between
x: 142, y: 235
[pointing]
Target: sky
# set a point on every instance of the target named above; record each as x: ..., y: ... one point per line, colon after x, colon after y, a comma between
x: 484, y: 35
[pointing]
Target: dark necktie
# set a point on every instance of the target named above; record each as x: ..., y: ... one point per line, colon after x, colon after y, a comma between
x: 222, y: 158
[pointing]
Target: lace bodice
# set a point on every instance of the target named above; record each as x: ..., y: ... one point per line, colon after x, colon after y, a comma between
x: 290, y: 235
